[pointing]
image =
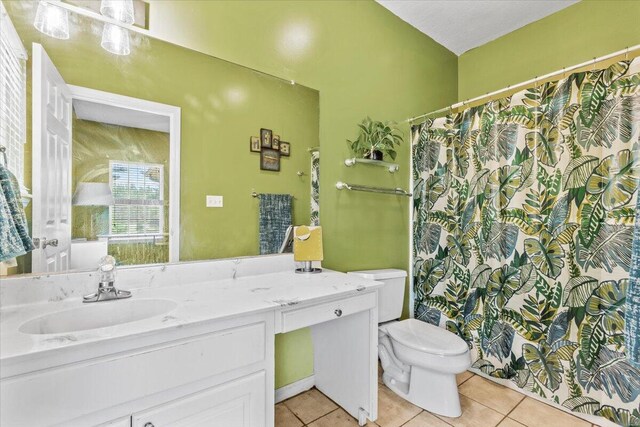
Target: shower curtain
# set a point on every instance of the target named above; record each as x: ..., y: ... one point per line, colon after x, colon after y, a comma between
x: 524, y: 212
x: 315, y: 188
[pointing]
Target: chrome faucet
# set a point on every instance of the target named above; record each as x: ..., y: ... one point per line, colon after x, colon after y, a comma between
x: 106, y: 290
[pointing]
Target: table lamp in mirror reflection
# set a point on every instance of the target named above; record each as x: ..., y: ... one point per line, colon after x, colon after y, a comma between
x: 94, y: 197
x: 307, y: 248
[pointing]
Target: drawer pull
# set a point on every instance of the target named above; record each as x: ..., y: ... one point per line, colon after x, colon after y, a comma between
x: 338, y: 312
x: 149, y: 424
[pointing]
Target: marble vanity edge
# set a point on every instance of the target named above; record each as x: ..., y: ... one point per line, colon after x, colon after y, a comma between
x: 39, y: 288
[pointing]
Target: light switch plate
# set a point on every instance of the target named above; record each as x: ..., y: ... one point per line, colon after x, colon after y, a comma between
x: 215, y: 201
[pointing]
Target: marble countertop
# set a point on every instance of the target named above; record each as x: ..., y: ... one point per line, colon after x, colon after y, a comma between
x: 197, y: 303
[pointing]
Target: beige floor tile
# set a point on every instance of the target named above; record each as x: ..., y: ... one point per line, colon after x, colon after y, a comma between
x: 394, y: 411
x: 425, y: 419
x: 474, y: 414
x: 286, y: 418
x: 537, y: 414
x: 310, y: 405
x: 338, y: 418
x: 508, y: 422
x: 460, y: 378
x: 491, y: 394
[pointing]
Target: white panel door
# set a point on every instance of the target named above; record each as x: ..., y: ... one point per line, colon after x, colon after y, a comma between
x: 238, y: 403
x: 51, y: 166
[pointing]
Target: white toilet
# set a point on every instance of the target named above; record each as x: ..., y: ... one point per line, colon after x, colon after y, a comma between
x: 420, y: 360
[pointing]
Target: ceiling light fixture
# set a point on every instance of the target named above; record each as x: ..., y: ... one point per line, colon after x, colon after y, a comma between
x: 115, y: 39
x: 120, y: 10
x: 52, y: 20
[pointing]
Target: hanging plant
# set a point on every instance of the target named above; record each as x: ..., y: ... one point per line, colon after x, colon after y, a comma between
x: 376, y: 140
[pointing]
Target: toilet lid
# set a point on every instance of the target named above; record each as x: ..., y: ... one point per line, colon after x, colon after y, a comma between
x: 427, y: 338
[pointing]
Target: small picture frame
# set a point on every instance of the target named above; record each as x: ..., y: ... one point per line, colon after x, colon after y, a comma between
x: 270, y: 160
x: 265, y: 138
x: 254, y: 144
x: 275, y: 142
x: 285, y: 148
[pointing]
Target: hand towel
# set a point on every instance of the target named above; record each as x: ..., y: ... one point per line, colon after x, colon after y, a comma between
x: 14, y: 232
x: 275, y: 218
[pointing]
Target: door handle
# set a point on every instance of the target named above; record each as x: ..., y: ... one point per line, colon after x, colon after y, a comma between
x: 52, y: 242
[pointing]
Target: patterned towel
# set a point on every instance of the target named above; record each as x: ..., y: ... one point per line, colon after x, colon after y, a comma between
x: 632, y: 313
x: 275, y: 218
x: 14, y: 233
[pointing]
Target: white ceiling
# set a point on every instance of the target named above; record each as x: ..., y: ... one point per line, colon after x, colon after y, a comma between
x: 460, y: 25
x: 102, y: 113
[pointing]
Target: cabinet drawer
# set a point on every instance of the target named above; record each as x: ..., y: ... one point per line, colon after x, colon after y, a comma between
x: 303, y: 317
x: 239, y: 403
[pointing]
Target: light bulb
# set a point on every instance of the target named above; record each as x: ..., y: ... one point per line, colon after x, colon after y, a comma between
x: 52, y: 20
x: 115, y: 39
x: 120, y: 10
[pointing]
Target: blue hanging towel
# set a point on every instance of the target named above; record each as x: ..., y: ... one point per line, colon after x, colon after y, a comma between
x: 632, y: 312
x: 14, y: 232
x: 275, y: 218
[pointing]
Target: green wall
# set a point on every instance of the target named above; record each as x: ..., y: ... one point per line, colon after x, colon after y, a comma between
x: 364, y: 61
x: 581, y: 32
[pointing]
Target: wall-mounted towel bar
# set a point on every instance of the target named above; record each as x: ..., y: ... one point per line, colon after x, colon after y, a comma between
x: 254, y: 194
x: 355, y: 187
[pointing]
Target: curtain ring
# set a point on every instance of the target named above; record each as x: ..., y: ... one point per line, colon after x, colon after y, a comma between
x: 626, y: 54
x: 564, y: 73
x: 593, y: 66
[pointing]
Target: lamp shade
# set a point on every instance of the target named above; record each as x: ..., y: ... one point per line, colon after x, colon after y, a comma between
x: 115, y: 39
x: 92, y: 194
x: 52, y: 20
x: 121, y: 10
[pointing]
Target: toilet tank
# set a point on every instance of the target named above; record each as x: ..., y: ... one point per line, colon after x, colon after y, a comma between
x: 391, y: 295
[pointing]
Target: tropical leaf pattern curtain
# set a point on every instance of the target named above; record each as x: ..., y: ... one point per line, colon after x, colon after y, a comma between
x: 315, y: 188
x: 524, y: 212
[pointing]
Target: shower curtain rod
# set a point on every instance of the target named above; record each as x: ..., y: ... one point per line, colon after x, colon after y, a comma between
x: 624, y: 52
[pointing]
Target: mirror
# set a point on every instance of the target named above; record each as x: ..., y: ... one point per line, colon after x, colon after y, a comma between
x: 151, y: 156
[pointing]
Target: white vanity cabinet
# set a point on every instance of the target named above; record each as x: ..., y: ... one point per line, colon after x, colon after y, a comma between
x: 207, y: 362
x: 211, y: 374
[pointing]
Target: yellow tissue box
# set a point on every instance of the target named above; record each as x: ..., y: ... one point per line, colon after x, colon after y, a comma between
x: 307, y: 243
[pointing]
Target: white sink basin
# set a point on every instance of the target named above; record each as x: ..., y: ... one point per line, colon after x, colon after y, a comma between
x: 97, y: 315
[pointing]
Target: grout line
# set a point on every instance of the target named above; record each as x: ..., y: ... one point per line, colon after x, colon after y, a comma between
x: 524, y: 396
x: 513, y: 409
x: 330, y: 412
x: 289, y: 409
x: 472, y: 375
x: 412, y: 418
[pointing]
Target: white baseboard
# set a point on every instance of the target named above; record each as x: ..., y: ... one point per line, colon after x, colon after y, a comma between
x: 293, y: 389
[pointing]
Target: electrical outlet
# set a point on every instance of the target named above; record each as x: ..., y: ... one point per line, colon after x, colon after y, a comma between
x: 214, y: 201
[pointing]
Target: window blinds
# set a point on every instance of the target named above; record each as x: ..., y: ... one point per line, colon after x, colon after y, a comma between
x: 138, y: 191
x: 13, y: 95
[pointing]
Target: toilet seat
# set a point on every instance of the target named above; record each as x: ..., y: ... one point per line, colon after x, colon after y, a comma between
x: 426, y: 338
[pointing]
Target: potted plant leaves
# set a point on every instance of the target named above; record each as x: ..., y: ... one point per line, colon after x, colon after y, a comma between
x: 376, y: 140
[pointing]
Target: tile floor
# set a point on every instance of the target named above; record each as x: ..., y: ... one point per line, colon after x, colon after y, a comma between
x: 484, y: 404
